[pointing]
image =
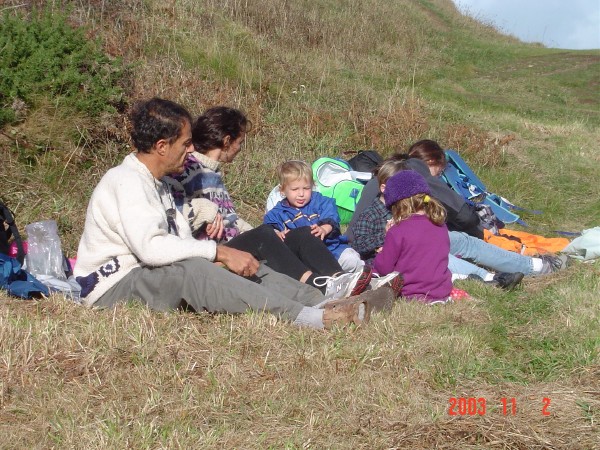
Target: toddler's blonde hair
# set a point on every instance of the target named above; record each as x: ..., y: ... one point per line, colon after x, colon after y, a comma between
x: 294, y: 170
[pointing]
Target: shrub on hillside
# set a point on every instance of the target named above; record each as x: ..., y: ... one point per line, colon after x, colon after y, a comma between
x: 42, y: 55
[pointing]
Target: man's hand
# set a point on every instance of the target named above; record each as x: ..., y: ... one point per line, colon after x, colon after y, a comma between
x: 242, y: 263
x: 321, y: 231
x: 215, y: 230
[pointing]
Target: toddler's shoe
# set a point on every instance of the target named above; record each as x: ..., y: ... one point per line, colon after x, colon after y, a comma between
x: 345, y: 284
x: 459, y: 294
x: 394, y: 280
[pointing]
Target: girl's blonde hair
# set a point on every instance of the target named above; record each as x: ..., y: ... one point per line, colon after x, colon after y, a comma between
x: 406, y: 207
x: 294, y: 170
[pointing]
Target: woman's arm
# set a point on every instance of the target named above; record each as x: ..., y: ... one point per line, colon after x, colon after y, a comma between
x: 199, y: 212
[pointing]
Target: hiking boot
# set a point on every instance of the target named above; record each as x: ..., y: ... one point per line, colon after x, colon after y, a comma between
x: 345, y: 284
x: 380, y: 299
x: 505, y: 280
x: 508, y: 281
x: 393, y: 280
x: 553, y: 263
x: 346, y: 311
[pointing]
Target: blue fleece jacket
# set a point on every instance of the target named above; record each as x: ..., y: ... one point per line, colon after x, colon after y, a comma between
x: 320, y: 210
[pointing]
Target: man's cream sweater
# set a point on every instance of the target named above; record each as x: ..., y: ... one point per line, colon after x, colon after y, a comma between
x: 126, y: 227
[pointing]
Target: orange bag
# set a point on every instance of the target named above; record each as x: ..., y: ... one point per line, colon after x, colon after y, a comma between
x: 525, y: 243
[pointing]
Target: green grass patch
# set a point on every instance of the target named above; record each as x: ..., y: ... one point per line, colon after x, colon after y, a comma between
x: 44, y: 53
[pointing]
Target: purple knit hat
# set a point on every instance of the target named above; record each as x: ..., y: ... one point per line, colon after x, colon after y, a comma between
x: 404, y: 184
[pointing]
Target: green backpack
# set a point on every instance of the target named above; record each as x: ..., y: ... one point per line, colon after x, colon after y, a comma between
x: 334, y: 178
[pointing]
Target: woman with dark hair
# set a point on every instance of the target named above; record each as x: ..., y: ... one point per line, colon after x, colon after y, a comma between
x: 221, y: 129
x: 428, y: 159
x: 462, y: 216
x: 431, y: 153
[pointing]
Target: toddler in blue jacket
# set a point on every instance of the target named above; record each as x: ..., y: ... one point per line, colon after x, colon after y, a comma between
x: 303, y: 207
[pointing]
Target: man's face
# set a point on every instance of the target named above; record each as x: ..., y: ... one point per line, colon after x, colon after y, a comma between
x: 178, y: 150
x: 298, y: 192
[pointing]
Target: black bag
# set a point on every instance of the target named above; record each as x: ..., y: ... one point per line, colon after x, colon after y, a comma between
x: 365, y: 160
x: 9, y: 229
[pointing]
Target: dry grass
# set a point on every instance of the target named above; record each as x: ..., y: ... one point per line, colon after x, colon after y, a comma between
x: 315, y: 80
x: 73, y: 377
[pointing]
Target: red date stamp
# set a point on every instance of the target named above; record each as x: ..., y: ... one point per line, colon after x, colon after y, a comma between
x: 477, y: 406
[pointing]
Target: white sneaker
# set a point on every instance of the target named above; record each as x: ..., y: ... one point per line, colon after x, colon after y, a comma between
x: 394, y: 280
x: 377, y: 281
x: 345, y: 285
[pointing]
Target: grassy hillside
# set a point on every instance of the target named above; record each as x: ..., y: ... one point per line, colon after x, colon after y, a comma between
x: 316, y: 78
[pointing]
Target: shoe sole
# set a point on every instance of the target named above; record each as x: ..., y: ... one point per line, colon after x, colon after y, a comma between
x: 397, y: 283
x: 363, y: 282
x: 381, y: 299
x: 515, y: 282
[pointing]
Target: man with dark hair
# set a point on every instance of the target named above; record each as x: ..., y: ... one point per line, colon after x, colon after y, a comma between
x: 137, y: 245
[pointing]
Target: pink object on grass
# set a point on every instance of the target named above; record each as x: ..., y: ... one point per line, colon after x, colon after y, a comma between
x: 12, y: 251
x: 459, y: 294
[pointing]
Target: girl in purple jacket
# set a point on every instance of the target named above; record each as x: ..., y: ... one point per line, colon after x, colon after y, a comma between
x: 417, y: 242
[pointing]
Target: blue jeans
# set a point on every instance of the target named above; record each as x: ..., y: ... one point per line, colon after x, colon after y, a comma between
x: 480, y: 252
x: 460, y: 266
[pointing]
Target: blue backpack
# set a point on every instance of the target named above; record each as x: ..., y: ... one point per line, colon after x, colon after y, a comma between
x: 461, y: 178
x: 19, y: 282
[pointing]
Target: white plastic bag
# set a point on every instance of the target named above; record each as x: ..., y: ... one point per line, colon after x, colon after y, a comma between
x: 44, y: 254
x: 586, y: 247
x: 44, y: 259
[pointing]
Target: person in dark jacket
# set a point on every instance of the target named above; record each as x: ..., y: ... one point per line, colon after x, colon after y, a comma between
x: 423, y: 157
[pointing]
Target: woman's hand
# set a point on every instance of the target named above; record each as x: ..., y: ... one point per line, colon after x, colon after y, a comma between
x: 321, y: 230
x: 215, y: 230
